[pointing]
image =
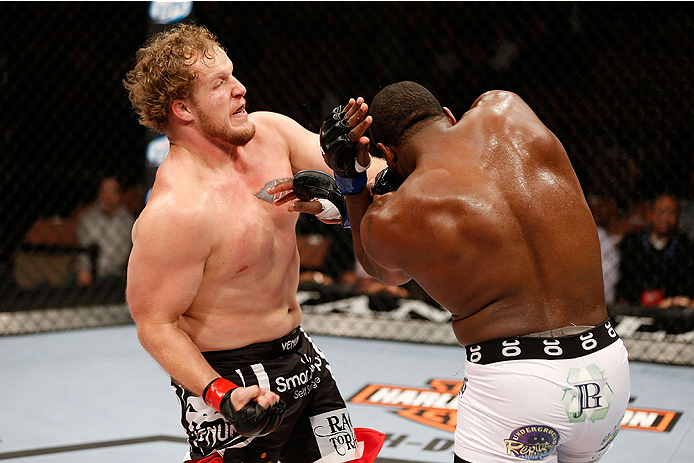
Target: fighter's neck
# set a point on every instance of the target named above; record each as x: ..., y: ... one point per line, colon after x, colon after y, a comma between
x: 206, y: 151
x: 419, y: 147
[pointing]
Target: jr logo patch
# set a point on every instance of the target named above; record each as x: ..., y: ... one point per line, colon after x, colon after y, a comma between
x: 335, y: 435
x: 589, y: 396
x: 532, y: 442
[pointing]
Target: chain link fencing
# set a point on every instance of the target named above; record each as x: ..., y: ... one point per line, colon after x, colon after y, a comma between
x: 612, y: 81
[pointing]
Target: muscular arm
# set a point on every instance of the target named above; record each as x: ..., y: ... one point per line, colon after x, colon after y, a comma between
x: 376, y: 255
x: 304, y: 147
x: 305, y: 154
x: 164, y: 273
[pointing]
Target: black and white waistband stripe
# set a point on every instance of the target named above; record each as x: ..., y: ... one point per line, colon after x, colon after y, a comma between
x: 520, y: 348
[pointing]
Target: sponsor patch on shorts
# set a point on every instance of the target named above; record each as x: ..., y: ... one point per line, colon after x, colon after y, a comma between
x: 207, y: 429
x: 589, y: 395
x: 533, y: 442
x: 335, y: 435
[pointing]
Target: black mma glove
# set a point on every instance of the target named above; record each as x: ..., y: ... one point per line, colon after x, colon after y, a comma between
x: 312, y: 185
x: 341, y: 154
x: 386, y: 181
x: 252, y: 420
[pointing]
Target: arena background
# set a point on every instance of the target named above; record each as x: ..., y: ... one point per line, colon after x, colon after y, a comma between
x: 612, y: 80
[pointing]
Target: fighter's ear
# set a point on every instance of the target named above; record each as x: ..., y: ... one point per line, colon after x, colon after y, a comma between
x: 388, y: 153
x: 449, y: 115
x: 180, y: 109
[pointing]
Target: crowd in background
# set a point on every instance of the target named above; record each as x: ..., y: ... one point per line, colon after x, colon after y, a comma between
x: 647, y: 254
x: 615, y: 88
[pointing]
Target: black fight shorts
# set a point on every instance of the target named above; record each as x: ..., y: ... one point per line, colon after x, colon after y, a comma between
x: 316, y: 426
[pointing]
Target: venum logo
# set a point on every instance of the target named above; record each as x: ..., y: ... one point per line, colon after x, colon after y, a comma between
x: 589, y: 396
x: 291, y: 344
x: 206, y: 428
x: 335, y: 435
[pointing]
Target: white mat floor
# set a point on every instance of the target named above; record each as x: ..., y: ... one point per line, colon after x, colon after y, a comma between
x: 96, y: 396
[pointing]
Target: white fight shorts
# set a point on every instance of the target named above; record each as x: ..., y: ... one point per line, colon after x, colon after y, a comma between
x: 550, y: 399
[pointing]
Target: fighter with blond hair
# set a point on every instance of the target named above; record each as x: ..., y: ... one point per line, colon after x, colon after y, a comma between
x: 214, y: 268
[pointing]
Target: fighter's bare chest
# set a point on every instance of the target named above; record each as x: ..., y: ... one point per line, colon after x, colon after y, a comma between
x: 246, y: 197
x: 244, y: 215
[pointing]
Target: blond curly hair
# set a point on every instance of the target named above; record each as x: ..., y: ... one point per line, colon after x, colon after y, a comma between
x: 163, y: 71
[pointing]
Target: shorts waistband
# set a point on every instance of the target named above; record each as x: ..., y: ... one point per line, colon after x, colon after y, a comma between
x: 547, y: 348
x: 560, y: 332
x: 269, y: 349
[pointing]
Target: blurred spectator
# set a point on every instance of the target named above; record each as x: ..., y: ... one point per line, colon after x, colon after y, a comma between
x: 47, y: 254
x: 108, y: 224
x: 616, y: 176
x: 134, y: 199
x: 656, y: 266
x: 633, y: 220
x: 327, y: 258
x: 313, y: 249
x: 366, y: 284
x: 609, y: 252
x: 687, y: 208
x: 605, y: 214
x: 325, y: 251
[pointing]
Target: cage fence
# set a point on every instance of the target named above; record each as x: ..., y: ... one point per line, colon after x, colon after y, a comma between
x: 614, y: 83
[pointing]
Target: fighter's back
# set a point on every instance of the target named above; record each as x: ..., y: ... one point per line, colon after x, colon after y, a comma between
x: 498, y: 230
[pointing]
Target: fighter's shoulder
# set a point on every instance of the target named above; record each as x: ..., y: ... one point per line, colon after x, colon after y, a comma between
x: 169, y: 211
x: 498, y: 100
x: 501, y: 109
x: 391, y: 221
x: 271, y: 120
x: 392, y: 208
x: 275, y: 126
x: 176, y: 184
